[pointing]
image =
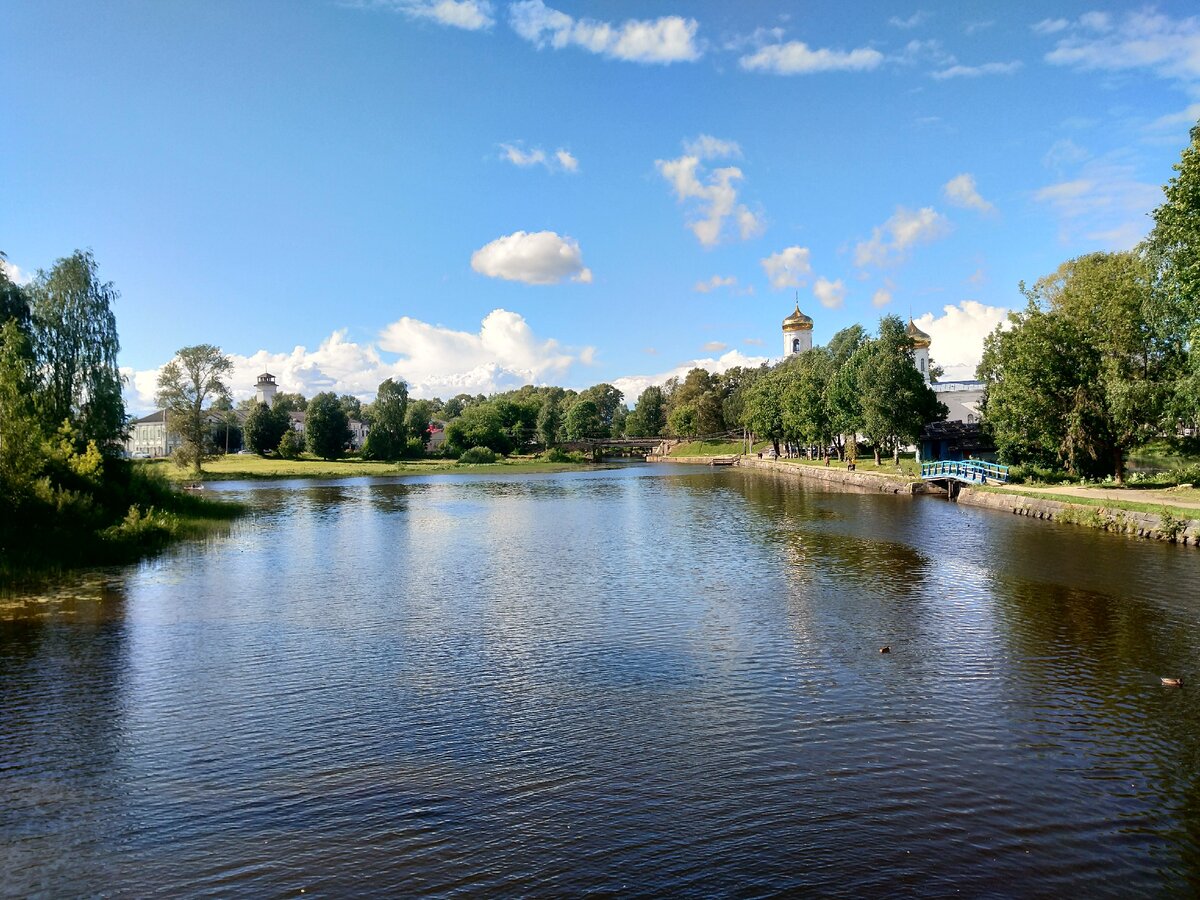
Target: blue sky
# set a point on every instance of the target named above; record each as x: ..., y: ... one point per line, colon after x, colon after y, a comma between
x: 475, y: 195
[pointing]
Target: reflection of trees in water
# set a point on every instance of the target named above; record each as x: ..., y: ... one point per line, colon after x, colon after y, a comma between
x: 62, y: 667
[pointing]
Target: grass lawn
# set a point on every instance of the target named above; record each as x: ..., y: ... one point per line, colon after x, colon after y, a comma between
x: 237, y: 467
x: 1156, y: 506
x: 715, y: 448
x: 909, y: 468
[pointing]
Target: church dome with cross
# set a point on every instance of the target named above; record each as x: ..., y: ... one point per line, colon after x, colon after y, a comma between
x: 797, y: 333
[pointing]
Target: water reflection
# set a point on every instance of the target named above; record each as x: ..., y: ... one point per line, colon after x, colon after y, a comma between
x: 642, y: 679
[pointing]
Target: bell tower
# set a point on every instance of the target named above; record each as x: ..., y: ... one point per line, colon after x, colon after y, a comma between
x: 265, y: 388
x: 797, y: 333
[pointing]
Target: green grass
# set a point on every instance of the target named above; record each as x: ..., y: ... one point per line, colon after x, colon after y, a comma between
x: 237, y: 467
x: 1189, y: 496
x: 715, y: 448
x: 909, y: 468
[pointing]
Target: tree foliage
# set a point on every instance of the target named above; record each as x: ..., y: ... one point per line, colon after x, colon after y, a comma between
x: 649, y: 416
x: 388, y: 437
x: 263, y: 428
x: 326, y: 428
x: 197, y: 374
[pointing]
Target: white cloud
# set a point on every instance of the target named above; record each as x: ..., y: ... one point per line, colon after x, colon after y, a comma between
x: 14, y: 272
x: 633, y: 385
x: 1050, y: 26
x: 961, y: 191
x: 1184, y: 119
x: 991, y: 68
x: 1063, y: 153
x: 568, y: 162
x: 911, y: 22
x: 540, y: 257
x: 881, y: 298
x: 1143, y: 39
x: 976, y: 27
x: 957, y: 335
x: 434, y: 360
x: 714, y: 283
x: 714, y: 347
x: 831, y: 293
x: 716, y: 201
x: 891, y: 242
x: 471, y: 15
x: 788, y: 267
x: 705, y: 146
x: 664, y: 40
x: 797, y: 58
x: 561, y: 161
x: 753, y: 342
x: 1105, y: 203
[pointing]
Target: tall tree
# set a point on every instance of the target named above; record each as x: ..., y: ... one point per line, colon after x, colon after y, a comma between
x: 607, y: 399
x: 195, y: 376
x: 76, y: 346
x: 388, y: 437
x: 417, y: 421
x: 21, y: 434
x: 583, y: 421
x: 763, y: 410
x: 1174, y: 242
x: 326, y: 428
x: 14, y: 304
x: 896, y: 401
x: 264, y: 427
x: 549, y: 421
x: 805, y: 415
x: 649, y: 416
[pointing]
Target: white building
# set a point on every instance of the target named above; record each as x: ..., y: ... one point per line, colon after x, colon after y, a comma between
x: 265, y: 388
x: 921, y: 342
x: 149, y: 439
x: 797, y: 333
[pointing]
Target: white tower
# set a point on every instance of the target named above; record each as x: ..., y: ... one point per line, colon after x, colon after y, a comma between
x: 265, y: 388
x: 921, y: 342
x: 797, y: 333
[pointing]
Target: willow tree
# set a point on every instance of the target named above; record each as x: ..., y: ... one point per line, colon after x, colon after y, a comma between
x: 75, y: 344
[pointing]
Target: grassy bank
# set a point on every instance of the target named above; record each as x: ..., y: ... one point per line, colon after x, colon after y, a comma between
x: 908, y: 468
x: 1177, y: 503
x: 714, y: 448
x: 239, y: 467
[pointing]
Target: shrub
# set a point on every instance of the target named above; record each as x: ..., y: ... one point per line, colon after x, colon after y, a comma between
x: 557, y: 455
x: 291, y: 445
x: 477, y: 455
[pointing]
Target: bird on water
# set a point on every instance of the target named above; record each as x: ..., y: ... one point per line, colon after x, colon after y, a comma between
x: 1172, y: 682
x: 885, y: 649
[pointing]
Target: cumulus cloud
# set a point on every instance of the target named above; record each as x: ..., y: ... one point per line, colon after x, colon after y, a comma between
x: 714, y: 200
x: 540, y: 257
x: 14, y: 273
x: 990, y: 68
x: 714, y: 283
x: 961, y: 191
x: 706, y: 146
x: 1143, y: 39
x: 472, y: 15
x: 434, y: 360
x: 788, y: 268
x: 797, y: 58
x: 957, y: 335
x: 714, y: 347
x: 664, y: 40
x: 831, y: 294
x: 560, y: 161
x: 891, y: 242
x: 753, y: 342
x: 911, y: 22
x: 633, y: 385
x: 881, y: 298
x: 1106, y: 203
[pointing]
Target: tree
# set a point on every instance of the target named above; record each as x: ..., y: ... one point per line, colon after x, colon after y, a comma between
x: 263, y: 428
x: 290, y: 402
x: 896, y: 401
x: 326, y: 428
x: 21, y: 435
x: 417, y: 421
x: 388, y: 437
x: 763, y: 409
x: 1174, y: 242
x: 14, y: 304
x: 351, y: 406
x: 195, y: 375
x: 583, y: 421
x: 480, y: 425
x: 805, y: 416
x: 549, y: 421
x: 75, y: 344
x: 649, y: 416
x: 608, y: 400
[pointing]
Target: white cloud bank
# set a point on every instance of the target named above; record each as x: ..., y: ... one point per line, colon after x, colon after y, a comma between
x: 991, y: 68
x: 1143, y: 39
x: 560, y: 161
x: 471, y: 15
x: 14, y: 273
x: 716, y: 201
x: 797, y: 58
x: 961, y: 191
x: 664, y: 40
x: 788, y: 268
x: 891, y: 242
x: 434, y: 360
x: 957, y: 336
x: 831, y: 294
x: 540, y: 257
x: 1105, y: 203
x: 715, y: 283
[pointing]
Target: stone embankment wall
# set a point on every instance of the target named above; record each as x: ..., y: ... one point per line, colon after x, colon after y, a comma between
x: 834, y: 473
x: 1164, y: 526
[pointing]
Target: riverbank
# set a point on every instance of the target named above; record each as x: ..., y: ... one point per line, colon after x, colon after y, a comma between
x: 1168, y: 515
x: 238, y: 467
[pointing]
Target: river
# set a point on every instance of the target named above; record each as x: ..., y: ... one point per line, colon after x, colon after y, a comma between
x: 642, y: 679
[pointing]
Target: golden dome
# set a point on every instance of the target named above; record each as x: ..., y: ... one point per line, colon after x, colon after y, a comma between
x: 919, y: 338
x: 797, y: 321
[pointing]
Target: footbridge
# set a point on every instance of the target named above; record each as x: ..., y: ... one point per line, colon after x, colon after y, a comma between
x: 598, y: 447
x: 964, y: 471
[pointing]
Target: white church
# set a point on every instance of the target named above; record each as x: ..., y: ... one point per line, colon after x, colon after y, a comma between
x: 962, y: 398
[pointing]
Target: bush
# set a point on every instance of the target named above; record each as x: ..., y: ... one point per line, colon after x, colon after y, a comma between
x: 291, y: 445
x: 476, y: 456
x: 556, y: 455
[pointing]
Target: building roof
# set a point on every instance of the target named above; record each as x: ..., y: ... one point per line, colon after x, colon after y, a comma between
x: 919, y: 338
x: 797, y: 321
x: 158, y: 417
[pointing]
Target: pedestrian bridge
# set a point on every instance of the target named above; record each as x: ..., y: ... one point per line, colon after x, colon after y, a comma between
x: 967, y: 471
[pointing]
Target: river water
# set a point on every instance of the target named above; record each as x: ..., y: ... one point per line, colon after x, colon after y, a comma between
x: 645, y: 679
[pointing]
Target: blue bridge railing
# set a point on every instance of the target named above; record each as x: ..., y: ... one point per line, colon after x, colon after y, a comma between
x: 972, y: 471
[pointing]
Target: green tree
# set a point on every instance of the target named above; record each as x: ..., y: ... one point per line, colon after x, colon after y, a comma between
x: 480, y: 425
x: 263, y: 428
x: 14, y: 304
x: 583, y: 421
x: 843, y: 401
x: 388, y: 437
x: 549, y: 421
x: 290, y: 402
x: 649, y: 416
x: 351, y: 406
x: 1174, y: 242
x: 896, y: 401
x: 76, y: 346
x: 417, y: 421
x: 196, y: 375
x: 682, y: 421
x: 21, y: 435
x: 763, y: 410
x: 326, y: 428
x: 608, y: 400
x: 805, y: 414
x: 291, y: 445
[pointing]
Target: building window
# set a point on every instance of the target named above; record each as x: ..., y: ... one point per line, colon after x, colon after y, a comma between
x: 795, y: 345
